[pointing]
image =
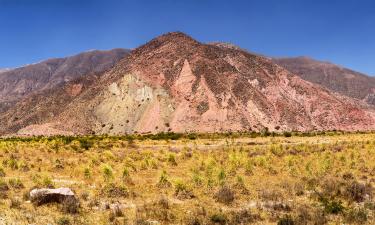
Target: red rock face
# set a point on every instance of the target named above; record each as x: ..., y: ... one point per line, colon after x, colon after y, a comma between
x: 175, y: 83
x: 222, y: 88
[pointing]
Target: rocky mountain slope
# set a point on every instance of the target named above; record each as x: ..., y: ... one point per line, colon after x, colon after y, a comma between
x: 19, y: 83
x: 333, y: 77
x: 175, y: 83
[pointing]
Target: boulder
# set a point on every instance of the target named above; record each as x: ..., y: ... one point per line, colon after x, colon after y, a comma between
x: 46, y: 195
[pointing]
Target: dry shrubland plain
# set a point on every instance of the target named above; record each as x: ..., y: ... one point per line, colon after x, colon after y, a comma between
x: 238, y: 178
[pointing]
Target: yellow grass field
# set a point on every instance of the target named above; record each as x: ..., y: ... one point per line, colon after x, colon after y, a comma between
x: 209, y: 179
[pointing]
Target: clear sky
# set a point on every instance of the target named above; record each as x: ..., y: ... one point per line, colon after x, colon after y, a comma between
x: 340, y: 31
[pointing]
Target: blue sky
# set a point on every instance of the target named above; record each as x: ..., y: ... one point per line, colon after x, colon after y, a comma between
x: 342, y: 32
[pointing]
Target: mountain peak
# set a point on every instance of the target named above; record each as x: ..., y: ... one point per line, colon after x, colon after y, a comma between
x: 175, y: 36
x: 175, y: 41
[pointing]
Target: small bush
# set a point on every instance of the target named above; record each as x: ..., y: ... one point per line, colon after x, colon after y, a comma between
x: 87, y: 173
x: 15, y: 203
x: 332, y: 206
x: 116, y: 212
x: 125, y: 173
x: 107, y: 173
x: 2, y: 172
x: 357, y: 215
x: 164, y: 180
x: 219, y: 218
x: 3, y: 186
x: 85, y: 144
x: 358, y: 192
x: 13, y: 164
x: 287, y: 134
x: 70, y: 205
x: 286, y: 220
x: 225, y: 195
x: 182, y: 191
x: 172, y: 159
x: 310, y: 215
x: 243, y: 216
x: 16, y: 183
x: 112, y: 190
x: 47, y: 182
x: 63, y: 221
x: 221, y: 177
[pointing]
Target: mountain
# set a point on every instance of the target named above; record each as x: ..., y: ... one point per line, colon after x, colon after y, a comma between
x: 19, y: 83
x: 3, y: 70
x: 175, y: 83
x: 333, y: 77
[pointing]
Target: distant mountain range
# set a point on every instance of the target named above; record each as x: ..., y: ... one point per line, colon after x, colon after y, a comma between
x: 333, y: 77
x: 19, y: 83
x: 175, y: 83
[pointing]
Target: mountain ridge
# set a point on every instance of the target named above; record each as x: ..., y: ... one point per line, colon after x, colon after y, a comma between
x: 18, y: 83
x: 336, y: 78
x: 175, y: 83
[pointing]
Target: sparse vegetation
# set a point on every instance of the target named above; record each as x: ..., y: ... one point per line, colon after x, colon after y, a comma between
x: 260, y: 178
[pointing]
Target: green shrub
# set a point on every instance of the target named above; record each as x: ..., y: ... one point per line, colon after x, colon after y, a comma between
x: 47, y: 182
x: 13, y: 164
x: 107, y: 173
x: 172, y: 159
x: 221, y: 177
x: 164, y: 180
x: 16, y: 183
x: 125, y: 173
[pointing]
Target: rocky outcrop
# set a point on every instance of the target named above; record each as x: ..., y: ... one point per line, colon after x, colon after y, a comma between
x: 45, y: 195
